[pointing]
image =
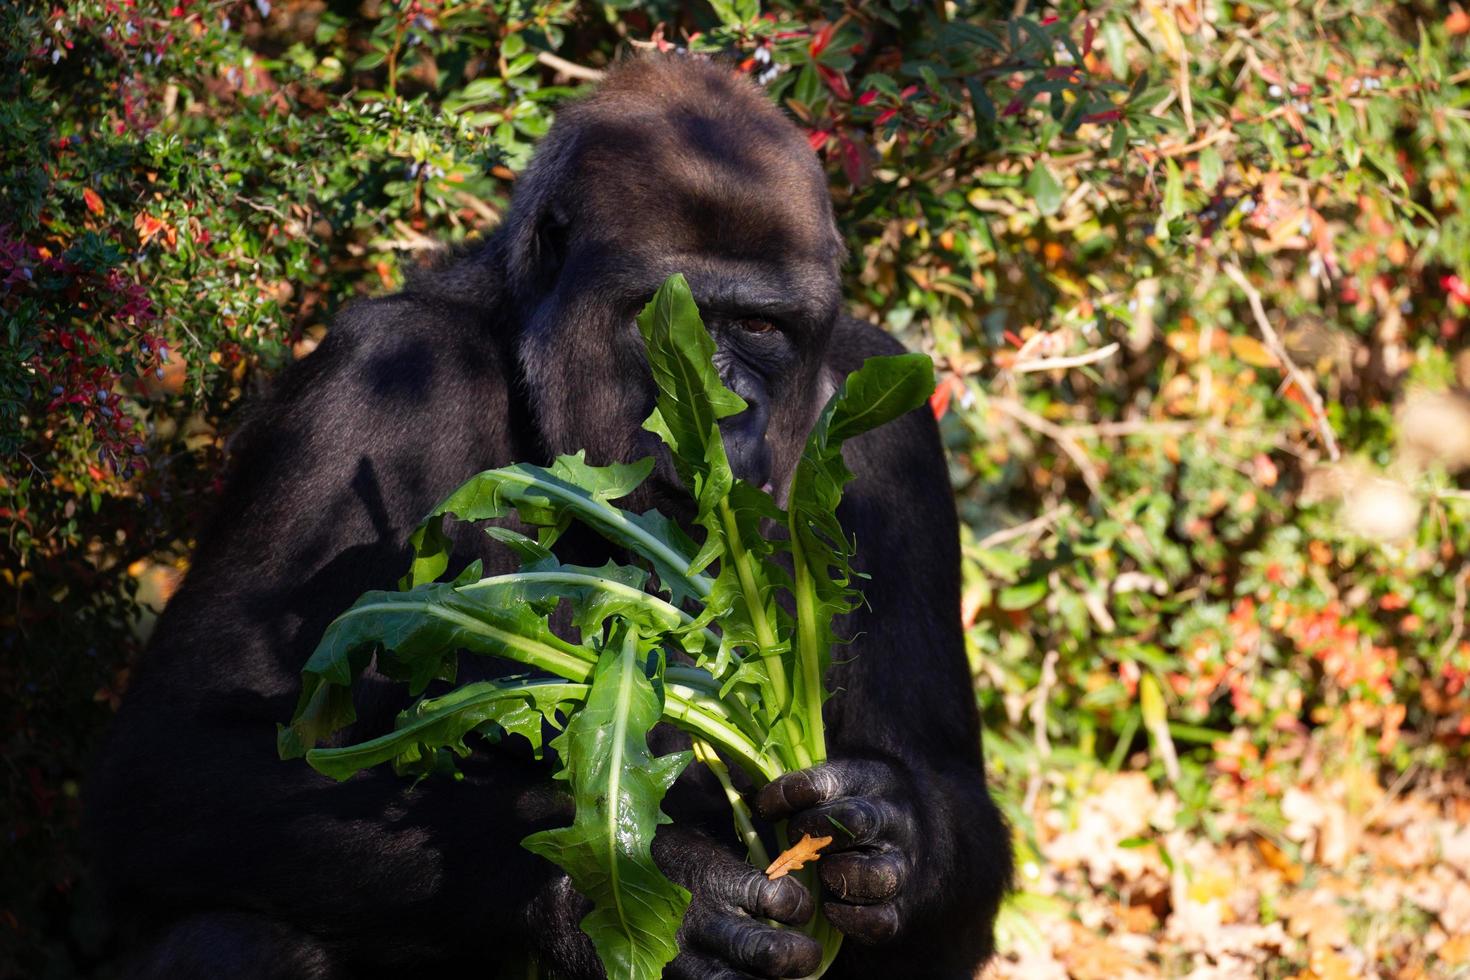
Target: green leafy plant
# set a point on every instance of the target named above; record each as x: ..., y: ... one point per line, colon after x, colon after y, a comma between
x: 751, y: 690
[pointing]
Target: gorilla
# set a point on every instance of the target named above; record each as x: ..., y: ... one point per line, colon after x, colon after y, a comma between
x: 220, y: 860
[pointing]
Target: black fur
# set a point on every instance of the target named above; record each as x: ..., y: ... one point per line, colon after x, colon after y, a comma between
x: 224, y: 861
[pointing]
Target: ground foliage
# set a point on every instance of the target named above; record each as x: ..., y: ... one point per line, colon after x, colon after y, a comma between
x: 1196, y: 277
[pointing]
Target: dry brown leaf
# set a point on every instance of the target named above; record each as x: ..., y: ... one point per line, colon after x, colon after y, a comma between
x: 1456, y: 952
x: 1277, y: 860
x: 795, y: 857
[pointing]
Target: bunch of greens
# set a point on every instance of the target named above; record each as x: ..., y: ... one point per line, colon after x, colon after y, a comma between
x: 750, y: 688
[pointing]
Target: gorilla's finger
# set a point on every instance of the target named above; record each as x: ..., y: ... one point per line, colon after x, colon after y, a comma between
x: 785, y: 899
x: 696, y: 966
x: 761, y: 949
x: 863, y: 879
x: 850, y: 823
x: 864, y: 923
x: 807, y: 788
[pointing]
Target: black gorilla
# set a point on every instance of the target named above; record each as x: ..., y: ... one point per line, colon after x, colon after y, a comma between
x: 226, y: 862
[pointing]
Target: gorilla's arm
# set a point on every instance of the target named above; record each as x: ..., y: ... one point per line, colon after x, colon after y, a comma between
x: 190, y: 807
x: 931, y: 858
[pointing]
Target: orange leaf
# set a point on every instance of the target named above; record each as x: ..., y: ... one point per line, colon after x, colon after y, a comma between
x: 94, y: 203
x: 795, y: 857
x: 1252, y: 351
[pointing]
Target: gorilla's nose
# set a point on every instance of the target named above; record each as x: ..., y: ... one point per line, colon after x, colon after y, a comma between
x: 746, y: 447
x: 754, y: 466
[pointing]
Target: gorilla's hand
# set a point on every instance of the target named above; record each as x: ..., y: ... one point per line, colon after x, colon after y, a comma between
x: 722, y: 937
x: 863, y: 806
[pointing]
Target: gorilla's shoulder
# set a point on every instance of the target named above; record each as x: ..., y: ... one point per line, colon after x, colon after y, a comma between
x: 430, y: 345
x: 854, y: 341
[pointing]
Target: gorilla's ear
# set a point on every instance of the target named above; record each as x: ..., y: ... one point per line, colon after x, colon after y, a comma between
x: 539, y: 225
x: 551, y: 245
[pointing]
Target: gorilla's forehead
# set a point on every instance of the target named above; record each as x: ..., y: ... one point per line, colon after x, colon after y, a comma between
x: 689, y: 156
x: 699, y: 183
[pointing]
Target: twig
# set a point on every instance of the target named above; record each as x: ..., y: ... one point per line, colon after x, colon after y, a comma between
x: 1058, y: 363
x: 1457, y: 616
x: 260, y: 207
x: 568, y: 68
x: 996, y: 538
x: 1039, y: 734
x: 1297, y: 375
x: 1056, y: 434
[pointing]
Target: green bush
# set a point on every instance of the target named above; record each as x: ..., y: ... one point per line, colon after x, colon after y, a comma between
x: 1195, y: 274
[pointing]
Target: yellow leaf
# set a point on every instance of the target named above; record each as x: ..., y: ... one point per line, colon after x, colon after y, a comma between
x: 1252, y: 351
x: 795, y: 857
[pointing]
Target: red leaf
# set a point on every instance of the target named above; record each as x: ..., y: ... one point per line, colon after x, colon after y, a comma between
x: 94, y: 203
x: 868, y: 97
x: 836, y: 81
x: 817, y: 139
x: 943, y: 393
x: 884, y: 116
x: 822, y: 38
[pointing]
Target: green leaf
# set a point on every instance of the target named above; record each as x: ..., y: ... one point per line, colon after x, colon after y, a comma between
x: 1022, y: 595
x: 518, y: 707
x: 881, y: 390
x: 419, y: 634
x: 1173, y: 190
x: 1116, y: 46
x: 691, y: 399
x: 1043, y: 188
x: 1211, y: 168
x: 550, y: 499
x: 618, y: 787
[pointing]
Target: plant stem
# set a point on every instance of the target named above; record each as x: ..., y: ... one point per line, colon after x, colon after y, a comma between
x: 744, y: 826
x: 765, y: 636
x: 808, y: 652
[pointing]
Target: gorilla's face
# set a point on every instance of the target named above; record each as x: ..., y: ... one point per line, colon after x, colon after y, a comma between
x: 713, y: 183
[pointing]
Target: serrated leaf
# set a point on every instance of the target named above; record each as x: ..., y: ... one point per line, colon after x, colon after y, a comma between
x: 691, y: 399
x: 550, y: 499
x: 879, y: 391
x: 618, y: 787
x: 518, y: 707
x: 418, y: 634
x: 797, y: 856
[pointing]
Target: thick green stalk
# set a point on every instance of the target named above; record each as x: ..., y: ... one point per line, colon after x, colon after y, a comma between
x: 739, y: 810
x: 808, y: 655
x: 765, y: 636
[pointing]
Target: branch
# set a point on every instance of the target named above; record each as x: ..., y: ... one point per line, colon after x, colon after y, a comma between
x: 1058, y: 363
x: 1297, y: 375
x: 1056, y: 434
x: 1005, y: 534
x: 1457, y: 617
x: 569, y: 68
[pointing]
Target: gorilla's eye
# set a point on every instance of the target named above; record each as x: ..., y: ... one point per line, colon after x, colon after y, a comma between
x: 756, y: 325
